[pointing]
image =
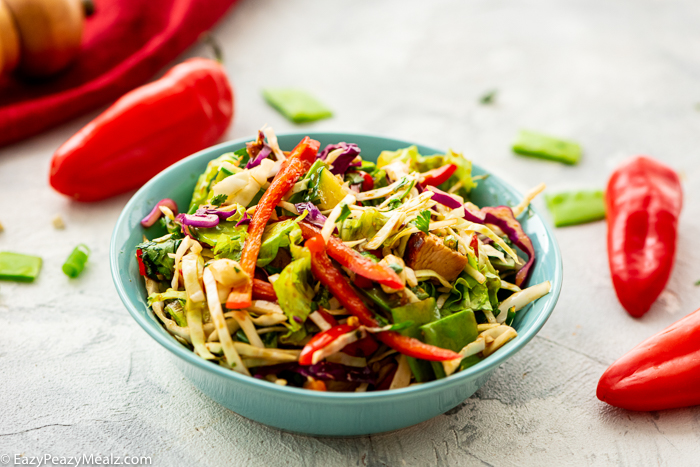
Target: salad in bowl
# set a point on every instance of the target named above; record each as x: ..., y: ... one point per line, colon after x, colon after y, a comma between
x: 317, y: 269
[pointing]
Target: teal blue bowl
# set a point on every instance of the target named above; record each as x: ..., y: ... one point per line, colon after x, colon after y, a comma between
x: 312, y: 412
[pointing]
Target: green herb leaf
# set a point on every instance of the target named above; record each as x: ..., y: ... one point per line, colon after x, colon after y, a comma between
x: 344, y: 213
x: 422, y: 222
x: 488, y: 98
x: 354, y: 178
x: 156, y: 258
x: 393, y: 203
x: 218, y: 200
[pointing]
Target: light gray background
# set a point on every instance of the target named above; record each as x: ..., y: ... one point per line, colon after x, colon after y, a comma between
x: 621, y: 77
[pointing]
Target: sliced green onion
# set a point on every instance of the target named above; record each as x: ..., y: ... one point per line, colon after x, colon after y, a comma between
x: 75, y: 263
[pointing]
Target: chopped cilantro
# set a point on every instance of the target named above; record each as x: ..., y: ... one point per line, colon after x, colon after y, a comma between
x: 393, y: 203
x: 422, y: 222
x: 344, y: 213
x: 218, y: 200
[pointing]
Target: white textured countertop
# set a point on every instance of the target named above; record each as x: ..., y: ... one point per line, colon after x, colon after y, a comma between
x: 77, y: 375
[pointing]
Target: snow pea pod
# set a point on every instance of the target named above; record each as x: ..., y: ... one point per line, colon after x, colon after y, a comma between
x: 18, y: 267
x: 420, y: 313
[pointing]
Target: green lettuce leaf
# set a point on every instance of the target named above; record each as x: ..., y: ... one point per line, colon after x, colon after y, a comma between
x: 206, y: 180
x: 468, y: 294
x: 280, y: 235
x: 225, y: 239
x: 295, y: 292
x: 369, y: 223
x: 415, y: 161
x: 169, y: 294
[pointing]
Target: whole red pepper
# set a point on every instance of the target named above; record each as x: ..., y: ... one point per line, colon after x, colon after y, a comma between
x: 145, y: 131
x: 439, y: 176
x: 331, y: 277
x: 644, y: 200
x: 663, y: 372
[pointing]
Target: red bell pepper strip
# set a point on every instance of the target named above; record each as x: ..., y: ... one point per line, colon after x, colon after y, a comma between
x: 438, y: 176
x: 133, y: 140
x: 263, y: 290
x: 475, y: 246
x: 386, y: 382
x: 644, y: 199
x: 321, y: 340
x: 297, y: 164
x: 362, y: 348
x: 368, y: 182
x: 354, y: 261
x: 362, y: 282
x: 139, y: 259
x: 327, y: 316
x: 331, y: 277
x: 663, y: 372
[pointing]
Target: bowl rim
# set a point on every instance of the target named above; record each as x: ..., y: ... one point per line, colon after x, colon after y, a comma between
x: 487, y: 365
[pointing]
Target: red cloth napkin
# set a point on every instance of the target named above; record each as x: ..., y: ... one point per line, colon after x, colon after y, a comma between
x: 125, y: 43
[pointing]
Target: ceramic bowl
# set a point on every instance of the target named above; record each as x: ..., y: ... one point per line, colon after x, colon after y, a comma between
x: 312, y: 412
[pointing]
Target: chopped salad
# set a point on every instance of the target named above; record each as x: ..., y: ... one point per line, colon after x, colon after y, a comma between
x: 320, y: 269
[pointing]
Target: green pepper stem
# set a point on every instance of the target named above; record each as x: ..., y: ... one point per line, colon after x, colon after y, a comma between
x: 215, y: 47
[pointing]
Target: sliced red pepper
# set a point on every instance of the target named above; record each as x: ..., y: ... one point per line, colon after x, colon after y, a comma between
x: 263, y: 290
x: 475, y: 246
x: 411, y: 347
x: 296, y: 165
x: 362, y: 348
x: 368, y: 182
x: 388, y: 379
x: 362, y: 282
x: 331, y: 277
x: 663, y: 372
x: 438, y: 176
x: 139, y: 258
x: 322, y: 340
x: 327, y: 316
x: 644, y: 199
x: 354, y: 261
